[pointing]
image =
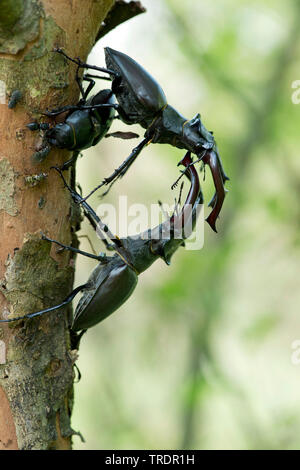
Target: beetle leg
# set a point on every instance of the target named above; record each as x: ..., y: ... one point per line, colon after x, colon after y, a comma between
x: 180, y: 194
x: 88, y: 78
x: 81, y: 64
x: 78, y: 81
x: 108, y: 246
x: 101, y: 258
x: 70, y: 162
x: 66, y: 301
x: 75, y: 340
x: 184, y: 172
x: 100, y: 77
x: 119, y: 172
x: 89, y: 88
x: 78, y: 107
x: 101, y: 228
x: 103, y: 105
x: 57, y: 111
x: 77, y: 198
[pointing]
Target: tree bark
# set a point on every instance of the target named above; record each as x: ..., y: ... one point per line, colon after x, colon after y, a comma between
x: 36, y: 364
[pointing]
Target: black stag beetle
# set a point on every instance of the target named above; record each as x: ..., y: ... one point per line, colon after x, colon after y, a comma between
x: 84, y: 126
x: 140, y: 100
x: 115, y: 277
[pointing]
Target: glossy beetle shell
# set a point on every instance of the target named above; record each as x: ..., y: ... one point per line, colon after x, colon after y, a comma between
x: 84, y: 128
x: 77, y: 132
x: 111, y: 286
x: 138, y: 93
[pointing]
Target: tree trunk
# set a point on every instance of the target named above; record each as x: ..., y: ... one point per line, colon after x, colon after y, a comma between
x: 36, y: 371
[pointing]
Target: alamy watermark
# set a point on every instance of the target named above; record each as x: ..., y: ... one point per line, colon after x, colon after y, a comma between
x: 296, y: 94
x: 157, y: 222
x: 2, y: 92
x: 295, y: 356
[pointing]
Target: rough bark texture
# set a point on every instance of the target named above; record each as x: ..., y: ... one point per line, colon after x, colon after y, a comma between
x: 36, y: 367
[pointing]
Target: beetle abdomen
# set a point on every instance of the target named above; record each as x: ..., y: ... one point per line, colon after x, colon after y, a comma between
x: 139, y: 94
x: 105, y: 297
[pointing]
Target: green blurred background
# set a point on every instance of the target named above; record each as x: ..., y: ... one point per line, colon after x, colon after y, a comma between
x: 201, y: 356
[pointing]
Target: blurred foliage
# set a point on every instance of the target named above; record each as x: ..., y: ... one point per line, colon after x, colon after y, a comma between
x: 200, y: 356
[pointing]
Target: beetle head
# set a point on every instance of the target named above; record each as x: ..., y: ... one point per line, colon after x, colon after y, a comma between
x: 196, y: 137
x: 166, y: 249
x: 60, y: 136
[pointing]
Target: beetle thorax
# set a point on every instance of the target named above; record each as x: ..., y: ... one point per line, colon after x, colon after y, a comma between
x: 139, y: 249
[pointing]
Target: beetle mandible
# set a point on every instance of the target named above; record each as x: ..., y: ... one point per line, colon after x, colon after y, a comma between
x: 115, y: 277
x: 141, y: 100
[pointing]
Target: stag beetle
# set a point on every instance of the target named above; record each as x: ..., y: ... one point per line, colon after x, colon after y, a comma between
x: 141, y: 100
x: 85, y: 125
x: 115, y: 277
